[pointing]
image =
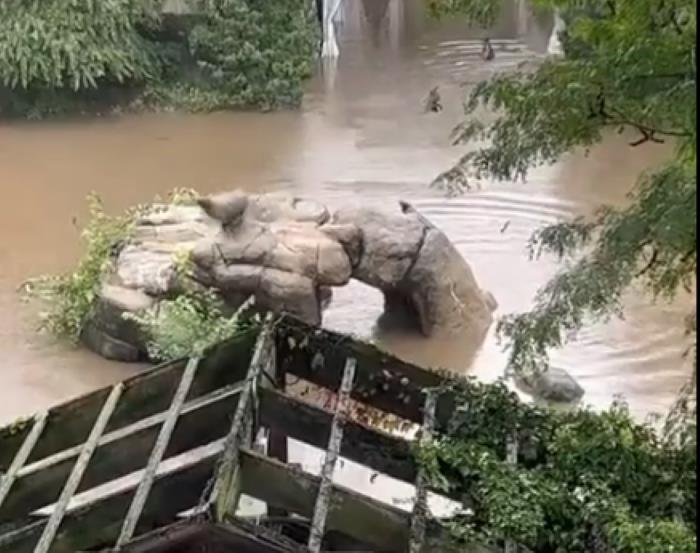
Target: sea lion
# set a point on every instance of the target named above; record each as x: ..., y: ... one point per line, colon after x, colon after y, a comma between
x: 487, y: 52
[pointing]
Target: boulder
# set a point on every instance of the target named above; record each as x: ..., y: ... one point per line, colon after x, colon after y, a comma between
x: 277, y: 251
x: 554, y: 384
x: 108, y: 346
x: 416, y: 267
x: 390, y: 244
x: 109, y: 332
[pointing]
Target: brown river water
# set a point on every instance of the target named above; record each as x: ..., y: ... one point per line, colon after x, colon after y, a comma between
x: 362, y: 136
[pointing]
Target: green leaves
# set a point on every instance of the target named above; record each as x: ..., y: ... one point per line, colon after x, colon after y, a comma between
x: 189, y: 324
x: 70, y: 297
x: 584, y: 481
x: 61, y: 55
x: 629, y: 65
x: 74, y: 44
x: 256, y: 54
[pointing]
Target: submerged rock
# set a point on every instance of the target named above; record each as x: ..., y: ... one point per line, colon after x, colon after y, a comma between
x: 289, y: 253
x: 554, y: 384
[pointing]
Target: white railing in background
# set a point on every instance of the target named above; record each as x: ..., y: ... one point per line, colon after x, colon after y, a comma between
x: 331, y: 12
x: 555, y: 47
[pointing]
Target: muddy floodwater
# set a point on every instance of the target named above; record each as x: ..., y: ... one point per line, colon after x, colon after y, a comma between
x: 362, y: 136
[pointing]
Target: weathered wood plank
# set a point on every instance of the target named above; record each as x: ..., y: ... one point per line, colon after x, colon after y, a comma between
x: 377, y: 450
x: 191, y: 535
x: 145, y: 394
x: 325, y: 490
x: 76, y: 475
x: 226, y: 492
x: 360, y: 517
x: 8, y: 479
x: 97, y: 524
x: 162, y: 441
x: 382, y: 381
x: 277, y: 442
x: 421, y: 510
x: 202, y: 421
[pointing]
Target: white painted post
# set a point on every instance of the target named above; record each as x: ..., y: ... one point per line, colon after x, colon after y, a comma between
x: 555, y: 47
x: 331, y: 10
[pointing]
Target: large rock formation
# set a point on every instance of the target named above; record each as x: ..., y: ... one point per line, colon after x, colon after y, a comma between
x: 277, y: 248
x: 288, y: 253
x: 413, y: 263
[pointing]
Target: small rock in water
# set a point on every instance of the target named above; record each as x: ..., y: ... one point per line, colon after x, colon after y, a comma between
x: 555, y: 385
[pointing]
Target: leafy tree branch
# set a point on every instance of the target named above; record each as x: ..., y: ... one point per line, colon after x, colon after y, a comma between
x: 628, y: 65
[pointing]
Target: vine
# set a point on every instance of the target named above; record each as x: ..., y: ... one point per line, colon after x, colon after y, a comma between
x: 190, y: 324
x: 583, y: 481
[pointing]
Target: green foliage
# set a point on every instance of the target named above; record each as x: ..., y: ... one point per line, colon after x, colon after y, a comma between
x: 53, y: 49
x: 584, y: 481
x: 70, y: 297
x: 86, y: 55
x: 629, y: 65
x: 254, y: 52
x: 190, y: 324
x: 482, y: 12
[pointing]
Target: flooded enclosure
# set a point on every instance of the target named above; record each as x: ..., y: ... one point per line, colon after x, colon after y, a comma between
x: 362, y: 136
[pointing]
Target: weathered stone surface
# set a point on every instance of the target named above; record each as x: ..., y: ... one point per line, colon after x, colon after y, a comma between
x: 173, y: 215
x: 276, y: 251
x: 444, y: 290
x: 227, y: 208
x: 148, y: 269
x: 290, y: 293
x: 288, y: 253
x: 555, y: 385
x: 268, y: 208
x: 110, y: 333
x: 390, y: 240
x: 116, y: 301
x: 108, y: 346
x: 349, y: 236
x: 414, y: 263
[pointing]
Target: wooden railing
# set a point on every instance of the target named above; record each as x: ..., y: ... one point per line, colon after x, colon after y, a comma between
x: 212, y: 409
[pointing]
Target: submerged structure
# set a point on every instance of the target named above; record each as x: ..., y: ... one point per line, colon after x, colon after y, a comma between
x: 161, y: 461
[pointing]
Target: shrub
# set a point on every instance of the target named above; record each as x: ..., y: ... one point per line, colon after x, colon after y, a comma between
x: 256, y: 52
x: 584, y: 481
x: 70, y: 297
x: 52, y: 51
x: 61, y: 56
x: 190, y: 324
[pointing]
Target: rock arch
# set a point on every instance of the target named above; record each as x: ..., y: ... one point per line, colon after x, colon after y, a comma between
x: 289, y: 252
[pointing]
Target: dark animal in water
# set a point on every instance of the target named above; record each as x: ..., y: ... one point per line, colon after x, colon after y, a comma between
x: 487, y: 52
x: 433, y: 102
